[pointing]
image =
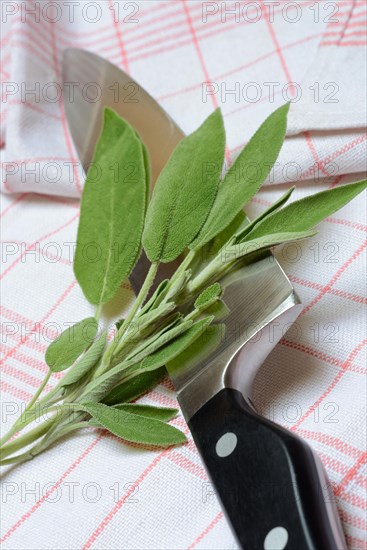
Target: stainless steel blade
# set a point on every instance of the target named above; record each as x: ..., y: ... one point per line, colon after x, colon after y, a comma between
x: 262, y: 305
x: 91, y: 83
x: 261, y: 299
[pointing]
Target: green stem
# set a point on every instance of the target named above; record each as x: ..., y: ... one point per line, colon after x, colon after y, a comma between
x: 22, y: 422
x: 97, y: 314
x: 138, y: 302
x: 38, y: 392
x: 26, y: 439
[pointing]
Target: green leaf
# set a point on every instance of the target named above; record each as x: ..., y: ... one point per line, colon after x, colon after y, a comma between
x: 147, y: 169
x: 176, y: 346
x: 86, y: 363
x: 238, y: 187
x: 97, y: 389
x: 135, y: 387
x: 243, y: 231
x: 156, y: 297
x: 185, y: 191
x: 305, y: 213
x: 164, y: 414
x: 71, y: 343
x: 176, y: 327
x: 218, y: 309
x: 112, y: 212
x: 134, y: 427
x: 198, y: 351
x: 208, y: 297
x: 239, y: 250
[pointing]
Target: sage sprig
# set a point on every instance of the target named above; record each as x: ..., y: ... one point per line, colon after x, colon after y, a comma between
x: 192, y: 214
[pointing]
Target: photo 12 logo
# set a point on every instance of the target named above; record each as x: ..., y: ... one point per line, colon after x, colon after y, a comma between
x: 253, y: 12
x: 70, y: 11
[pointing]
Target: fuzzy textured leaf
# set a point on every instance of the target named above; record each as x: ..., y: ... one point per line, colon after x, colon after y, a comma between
x: 135, y: 387
x: 184, y: 192
x: 63, y: 351
x: 134, y: 427
x: 127, y: 369
x: 238, y: 187
x: 112, y: 212
x: 305, y: 213
x: 164, y: 414
x: 87, y: 362
x: 176, y: 346
x: 208, y: 297
x: 245, y: 248
x: 199, y: 350
x: 243, y: 231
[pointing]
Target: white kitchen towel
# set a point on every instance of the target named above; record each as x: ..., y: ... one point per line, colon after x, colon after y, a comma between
x: 92, y: 491
x: 252, y: 59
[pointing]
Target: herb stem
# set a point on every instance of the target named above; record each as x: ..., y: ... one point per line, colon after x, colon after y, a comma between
x: 26, y: 439
x: 138, y: 302
x: 22, y: 422
x: 98, y: 311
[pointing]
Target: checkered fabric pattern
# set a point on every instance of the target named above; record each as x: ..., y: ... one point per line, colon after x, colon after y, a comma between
x: 91, y: 491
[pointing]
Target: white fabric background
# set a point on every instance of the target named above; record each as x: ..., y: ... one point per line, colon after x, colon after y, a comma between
x: 313, y: 382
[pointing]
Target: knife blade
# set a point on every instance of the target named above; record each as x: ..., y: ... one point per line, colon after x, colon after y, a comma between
x: 272, y: 486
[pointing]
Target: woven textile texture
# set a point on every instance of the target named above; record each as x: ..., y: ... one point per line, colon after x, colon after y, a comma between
x: 92, y: 491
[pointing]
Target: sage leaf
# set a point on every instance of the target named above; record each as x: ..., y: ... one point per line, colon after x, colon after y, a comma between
x: 169, y: 352
x: 156, y: 297
x: 218, y: 309
x: 208, y: 297
x: 305, y: 213
x: 135, y: 387
x: 112, y: 212
x: 243, y: 231
x: 199, y: 350
x: 99, y: 388
x: 239, y: 250
x: 159, y: 413
x: 238, y: 187
x: 86, y: 363
x: 63, y: 351
x: 185, y: 191
x: 134, y: 427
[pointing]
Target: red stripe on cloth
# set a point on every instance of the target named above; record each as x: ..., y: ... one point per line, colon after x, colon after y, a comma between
x: 351, y: 473
x: 335, y: 277
x: 335, y: 292
x: 104, y: 523
x: 34, y: 508
x: 346, y: 44
x: 201, y: 60
x: 239, y: 68
x: 278, y: 49
x: 15, y: 392
x: 48, y: 314
x: 316, y: 353
x: 331, y: 386
x: 12, y: 204
x: 41, y: 239
x: 314, y: 153
x: 207, y: 530
x: 124, y: 61
x: 331, y: 441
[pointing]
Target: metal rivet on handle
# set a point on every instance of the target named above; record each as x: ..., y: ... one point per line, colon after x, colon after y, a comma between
x: 226, y: 444
x: 276, y: 539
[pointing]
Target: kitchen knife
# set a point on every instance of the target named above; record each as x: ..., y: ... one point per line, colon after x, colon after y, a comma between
x: 272, y: 486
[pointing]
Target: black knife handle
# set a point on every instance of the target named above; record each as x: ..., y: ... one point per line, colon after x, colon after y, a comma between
x: 272, y: 486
